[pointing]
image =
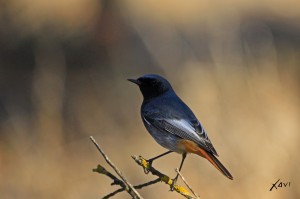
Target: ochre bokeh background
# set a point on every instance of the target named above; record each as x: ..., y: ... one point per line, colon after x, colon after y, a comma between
x: 63, y: 71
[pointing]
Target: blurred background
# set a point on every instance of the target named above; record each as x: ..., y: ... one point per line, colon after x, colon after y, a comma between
x: 63, y: 71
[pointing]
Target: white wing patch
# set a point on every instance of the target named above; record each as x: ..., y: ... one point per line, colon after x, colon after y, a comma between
x: 146, y: 120
x: 184, y: 126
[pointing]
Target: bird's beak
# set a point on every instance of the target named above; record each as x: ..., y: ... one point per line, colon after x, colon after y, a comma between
x: 137, y: 82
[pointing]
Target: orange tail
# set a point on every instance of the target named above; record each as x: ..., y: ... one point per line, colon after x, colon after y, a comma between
x: 192, y: 147
x: 214, y: 161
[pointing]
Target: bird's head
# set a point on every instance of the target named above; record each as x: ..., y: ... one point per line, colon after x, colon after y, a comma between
x: 152, y: 85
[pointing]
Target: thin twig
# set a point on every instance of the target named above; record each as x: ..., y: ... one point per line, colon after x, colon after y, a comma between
x: 181, y: 190
x: 136, y: 186
x: 100, y: 169
x: 126, y: 186
x: 116, y: 181
x: 187, y: 184
x: 113, y: 193
x: 129, y: 188
x: 140, y: 186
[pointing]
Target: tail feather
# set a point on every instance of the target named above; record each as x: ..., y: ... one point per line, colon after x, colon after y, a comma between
x: 214, y: 161
x: 191, y: 147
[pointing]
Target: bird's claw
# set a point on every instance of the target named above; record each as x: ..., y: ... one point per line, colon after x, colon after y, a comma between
x: 147, y: 170
x: 172, y: 186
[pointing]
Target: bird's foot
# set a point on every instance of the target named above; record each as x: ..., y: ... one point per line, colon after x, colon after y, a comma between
x: 149, y: 165
x: 172, y: 186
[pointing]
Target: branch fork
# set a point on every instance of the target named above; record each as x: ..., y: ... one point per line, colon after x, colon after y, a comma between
x: 129, y: 188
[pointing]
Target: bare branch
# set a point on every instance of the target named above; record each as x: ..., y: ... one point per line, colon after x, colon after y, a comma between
x: 186, y: 183
x: 113, y: 193
x: 129, y: 188
x: 126, y: 186
x: 116, y: 181
x: 140, y: 186
x: 179, y: 189
x: 100, y: 169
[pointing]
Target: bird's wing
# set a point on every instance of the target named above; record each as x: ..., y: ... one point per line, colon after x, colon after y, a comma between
x: 201, y: 132
x: 182, y: 128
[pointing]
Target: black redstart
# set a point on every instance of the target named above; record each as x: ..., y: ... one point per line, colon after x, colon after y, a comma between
x: 172, y: 123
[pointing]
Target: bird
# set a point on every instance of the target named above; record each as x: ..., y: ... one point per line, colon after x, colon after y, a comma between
x: 172, y: 123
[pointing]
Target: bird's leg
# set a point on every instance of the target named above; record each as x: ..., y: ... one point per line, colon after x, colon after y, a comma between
x: 175, y: 179
x: 156, y: 157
